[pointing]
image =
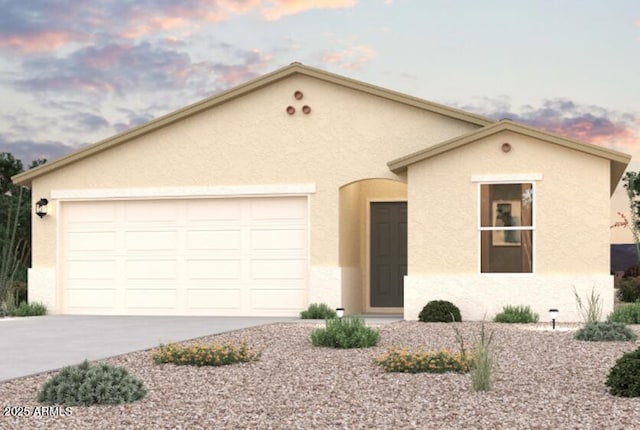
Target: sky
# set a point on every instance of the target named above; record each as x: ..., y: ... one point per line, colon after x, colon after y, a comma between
x: 75, y: 72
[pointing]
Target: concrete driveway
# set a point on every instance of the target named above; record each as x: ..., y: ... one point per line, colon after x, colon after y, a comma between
x: 38, y: 344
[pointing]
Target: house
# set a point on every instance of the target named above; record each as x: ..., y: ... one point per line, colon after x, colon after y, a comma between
x: 303, y: 186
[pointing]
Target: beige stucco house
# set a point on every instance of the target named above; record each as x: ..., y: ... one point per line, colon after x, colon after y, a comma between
x: 303, y: 186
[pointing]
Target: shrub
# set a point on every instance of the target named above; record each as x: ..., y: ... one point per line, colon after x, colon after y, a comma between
x: 318, y: 311
x: 4, y: 310
x: 204, y: 355
x: 87, y: 384
x: 440, y: 311
x: 32, y: 309
x: 604, y: 332
x: 347, y: 332
x: 627, y: 313
x: 624, y: 377
x: 516, y: 314
x: 629, y: 290
x: 591, y: 311
x: 417, y: 361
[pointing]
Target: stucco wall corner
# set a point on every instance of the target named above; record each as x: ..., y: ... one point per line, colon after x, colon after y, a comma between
x: 325, y: 285
x: 42, y: 288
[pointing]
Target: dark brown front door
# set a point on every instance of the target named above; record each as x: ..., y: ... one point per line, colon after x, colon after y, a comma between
x: 388, y: 253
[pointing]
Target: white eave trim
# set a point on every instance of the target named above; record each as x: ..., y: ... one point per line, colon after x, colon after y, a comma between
x: 526, y: 177
x: 185, y: 192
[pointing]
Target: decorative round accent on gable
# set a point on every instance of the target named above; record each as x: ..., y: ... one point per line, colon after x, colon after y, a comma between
x: 506, y: 147
x: 298, y: 95
x: 291, y: 110
x: 306, y: 109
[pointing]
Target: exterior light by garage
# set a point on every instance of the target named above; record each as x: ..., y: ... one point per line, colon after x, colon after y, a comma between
x: 41, y: 207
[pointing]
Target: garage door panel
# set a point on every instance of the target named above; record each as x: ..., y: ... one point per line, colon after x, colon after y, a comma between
x: 151, y: 298
x: 214, y: 269
x: 277, y: 269
x: 214, y: 210
x: 214, y: 239
x: 277, y: 299
x: 91, y: 298
x: 153, y: 269
x: 92, y: 241
x: 214, y: 299
x: 278, y: 239
x: 151, y: 240
x: 228, y: 256
x: 90, y: 269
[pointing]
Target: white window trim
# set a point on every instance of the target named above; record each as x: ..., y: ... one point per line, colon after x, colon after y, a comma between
x: 507, y: 179
x: 186, y: 192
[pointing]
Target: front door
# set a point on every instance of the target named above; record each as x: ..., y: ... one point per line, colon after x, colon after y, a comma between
x: 388, y: 253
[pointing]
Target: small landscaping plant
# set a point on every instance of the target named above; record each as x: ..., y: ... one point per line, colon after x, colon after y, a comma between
x: 629, y: 290
x: 318, y: 311
x: 32, y: 309
x: 204, y: 355
x: 628, y: 313
x: 416, y: 361
x: 624, y: 377
x: 483, y: 359
x: 516, y: 314
x: 591, y: 310
x: 440, y: 311
x: 347, y: 332
x: 87, y: 384
x: 605, y: 332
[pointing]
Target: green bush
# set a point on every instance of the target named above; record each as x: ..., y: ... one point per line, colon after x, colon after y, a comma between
x: 32, y: 309
x: 440, y: 311
x: 318, y: 311
x: 626, y: 313
x: 407, y: 360
x: 347, y: 332
x: 204, y: 355
x: 87, y: 384
x: 516, y: 314
x: 629, y: 290
x: 624, y: 377
x: 605, y: 332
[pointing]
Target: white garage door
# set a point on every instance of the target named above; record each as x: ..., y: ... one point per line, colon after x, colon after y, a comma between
x: 244, y: 256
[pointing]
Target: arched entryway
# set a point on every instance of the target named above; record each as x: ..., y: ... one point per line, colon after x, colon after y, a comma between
x: 373, y: 239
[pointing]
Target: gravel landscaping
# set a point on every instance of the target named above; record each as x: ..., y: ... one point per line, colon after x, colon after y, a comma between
x: 543, y: 380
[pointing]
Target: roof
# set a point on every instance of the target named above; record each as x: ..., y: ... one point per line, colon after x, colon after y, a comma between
x: 619, y: 160
x: 25, y: 178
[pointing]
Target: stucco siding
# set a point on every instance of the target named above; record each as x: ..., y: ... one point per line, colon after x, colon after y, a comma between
x: 571, y: 206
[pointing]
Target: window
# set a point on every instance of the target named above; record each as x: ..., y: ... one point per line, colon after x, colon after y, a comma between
x: 506, y: 228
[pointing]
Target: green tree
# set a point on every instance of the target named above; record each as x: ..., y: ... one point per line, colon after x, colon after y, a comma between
x: 15, y: 230
x: 631, y: 181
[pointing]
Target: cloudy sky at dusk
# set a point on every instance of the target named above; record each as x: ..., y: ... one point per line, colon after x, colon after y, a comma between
x: 75, y: 72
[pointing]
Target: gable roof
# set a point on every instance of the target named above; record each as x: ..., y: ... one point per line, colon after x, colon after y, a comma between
x: 25, y: 178
x: 618, y: 160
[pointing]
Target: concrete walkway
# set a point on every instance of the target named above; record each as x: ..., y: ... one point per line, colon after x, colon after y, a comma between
x: 39, y: 344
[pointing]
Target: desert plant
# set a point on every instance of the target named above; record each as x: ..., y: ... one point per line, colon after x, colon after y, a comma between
x: 347, y: 332
x: 628, y: 313
x: 604, y: 332
x: 318, y: 311
x: 88, y: 384
x: 204, y: 355
x: 483, y: 359
x: 4, y: 310
x: 629, y: 290
x: 624, y: 377
x: 440, y: 311
x: 516, y: 314
x: 591, y: 311
x: 29, y: 310
x: 409, y: 360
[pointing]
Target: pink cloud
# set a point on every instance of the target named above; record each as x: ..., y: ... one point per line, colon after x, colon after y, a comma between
x: 353, y: 58
x: 38, y: 42
x: 282, y: 8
